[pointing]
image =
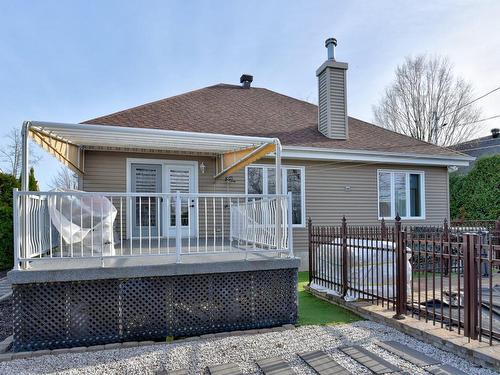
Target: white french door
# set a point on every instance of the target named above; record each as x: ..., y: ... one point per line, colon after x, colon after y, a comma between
x: 181, y: 178
x: 146, y: 178
x: 156, y: 216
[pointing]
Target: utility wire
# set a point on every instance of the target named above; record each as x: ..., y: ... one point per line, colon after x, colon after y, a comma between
x: 472, y: 101
x: 481, y: 120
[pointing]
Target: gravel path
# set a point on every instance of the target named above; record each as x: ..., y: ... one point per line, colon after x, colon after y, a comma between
x: 243, y: 350
x: 5, y: 318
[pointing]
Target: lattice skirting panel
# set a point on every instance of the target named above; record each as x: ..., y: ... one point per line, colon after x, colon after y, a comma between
x: 83, y: 313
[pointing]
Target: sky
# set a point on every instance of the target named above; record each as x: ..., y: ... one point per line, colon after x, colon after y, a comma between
x: 69, y: 61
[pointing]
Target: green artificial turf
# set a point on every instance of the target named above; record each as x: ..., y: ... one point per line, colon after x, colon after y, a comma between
x: 314, y: 311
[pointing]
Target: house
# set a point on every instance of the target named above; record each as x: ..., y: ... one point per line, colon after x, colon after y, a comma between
x: 478, y: 148
x: 333, y: 164
x: 183, y: 226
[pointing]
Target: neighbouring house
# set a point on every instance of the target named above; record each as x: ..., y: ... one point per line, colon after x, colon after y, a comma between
x: 478, y: 148
x: 193, y: 210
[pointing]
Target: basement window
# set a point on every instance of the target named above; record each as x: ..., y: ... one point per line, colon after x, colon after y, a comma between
x: 401, y: 193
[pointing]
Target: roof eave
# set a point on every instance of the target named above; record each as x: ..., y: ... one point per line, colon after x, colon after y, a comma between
x: 313, y: 153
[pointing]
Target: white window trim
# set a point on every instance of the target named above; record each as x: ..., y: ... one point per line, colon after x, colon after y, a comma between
x: 393, y: 205
x: 284, y: 187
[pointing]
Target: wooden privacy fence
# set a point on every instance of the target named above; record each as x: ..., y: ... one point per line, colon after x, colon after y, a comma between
x: 448, y: 275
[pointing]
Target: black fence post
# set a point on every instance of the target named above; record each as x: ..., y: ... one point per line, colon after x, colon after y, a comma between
x: 400, y: 272
x: 470, y: 286
x: 309, y: 232
x: 383, y: 229
x: 345, y: 263
x: 446, y: 247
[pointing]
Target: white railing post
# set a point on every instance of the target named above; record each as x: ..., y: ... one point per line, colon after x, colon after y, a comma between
x: 17, y: 243
x: 290, y: 224
x: 178, y: 229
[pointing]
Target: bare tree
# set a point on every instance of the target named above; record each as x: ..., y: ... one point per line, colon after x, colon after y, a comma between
x: 426, y: 101
x: 11, y: 153
x: 64, y: 179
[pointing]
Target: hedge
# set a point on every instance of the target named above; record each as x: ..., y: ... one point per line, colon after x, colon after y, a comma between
x: 476, y: 195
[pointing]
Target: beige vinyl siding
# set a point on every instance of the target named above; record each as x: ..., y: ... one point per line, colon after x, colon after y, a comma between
x: 327, y: 195
x: 332, y: 109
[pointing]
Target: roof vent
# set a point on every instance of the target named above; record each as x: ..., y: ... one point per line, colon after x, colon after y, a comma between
x: 495, y: 132
x: 246, y: 80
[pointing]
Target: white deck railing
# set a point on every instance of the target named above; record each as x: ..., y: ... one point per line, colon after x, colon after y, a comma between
x: 52, y: 226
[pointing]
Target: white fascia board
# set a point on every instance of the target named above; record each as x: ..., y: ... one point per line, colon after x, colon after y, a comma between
x: 309, y: 153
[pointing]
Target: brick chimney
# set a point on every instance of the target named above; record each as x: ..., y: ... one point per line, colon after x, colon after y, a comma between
x: 332, y: 95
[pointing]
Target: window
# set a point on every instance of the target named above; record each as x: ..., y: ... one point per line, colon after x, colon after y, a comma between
x: 401, y: 192
x: 262, y: 180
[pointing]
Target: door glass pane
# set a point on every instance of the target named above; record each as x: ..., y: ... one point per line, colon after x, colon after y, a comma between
x: 400, y: 193
x: 294, y: 185
x: 384, y: 194
x: 415, y: 196
x: 146, y: 179
x: 255, y: 182
x: 179, y: 181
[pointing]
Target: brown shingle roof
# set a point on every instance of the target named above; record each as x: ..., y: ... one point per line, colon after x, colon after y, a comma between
x: 230, y: 109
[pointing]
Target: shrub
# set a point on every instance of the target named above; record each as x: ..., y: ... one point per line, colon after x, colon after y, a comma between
x: 476, y: 195
x: 7, y: 183
x: 6, y: 237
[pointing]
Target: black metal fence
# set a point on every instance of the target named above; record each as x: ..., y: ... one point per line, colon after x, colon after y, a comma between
x: 446, y: 275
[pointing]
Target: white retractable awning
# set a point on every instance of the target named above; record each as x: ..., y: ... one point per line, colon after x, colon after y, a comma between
x: 67, y: 141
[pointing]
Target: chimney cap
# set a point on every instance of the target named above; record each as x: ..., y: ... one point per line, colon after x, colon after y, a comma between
x: 495, y: 132
x: 246, y: 80
x: 331, y: 40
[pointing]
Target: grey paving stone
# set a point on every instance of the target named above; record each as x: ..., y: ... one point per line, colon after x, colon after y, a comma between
x: 6, y: 344
x: 323, y: 364
x: 274, y: 366
x: 445, y: 370
x: 5, y: 357
x: 370, y: 360
x: 408, y: 354
x: 225, y: 369
x: 182, y: 371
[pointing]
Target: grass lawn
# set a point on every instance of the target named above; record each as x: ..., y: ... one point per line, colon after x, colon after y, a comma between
x: 314, y: 311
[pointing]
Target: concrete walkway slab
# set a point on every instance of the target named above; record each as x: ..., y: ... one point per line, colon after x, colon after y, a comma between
x: 274, y: 366
x: 225, y: 369
x: 370, y: 360
x: 445, y: 370
x: 323, y: 364
x: 408, y: 354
